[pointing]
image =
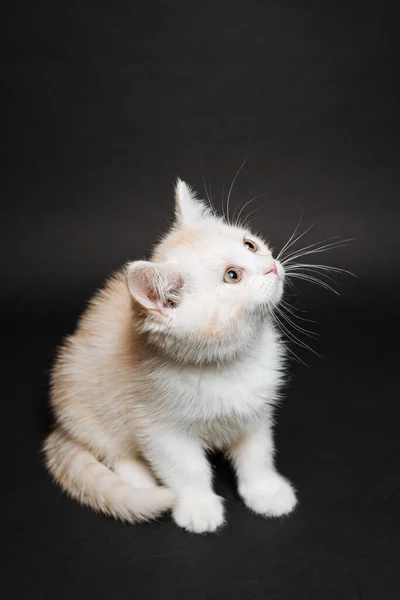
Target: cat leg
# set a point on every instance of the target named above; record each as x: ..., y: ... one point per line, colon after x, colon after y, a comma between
x: 180, y: 462
x: 262, y: 488
x: 135, y: 472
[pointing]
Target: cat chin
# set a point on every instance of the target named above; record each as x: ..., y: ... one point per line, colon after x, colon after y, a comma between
x: 204, y: 347
x: 197, y: 351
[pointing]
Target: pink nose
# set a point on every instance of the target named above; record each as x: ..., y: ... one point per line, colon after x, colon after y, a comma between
x: 272, y: 270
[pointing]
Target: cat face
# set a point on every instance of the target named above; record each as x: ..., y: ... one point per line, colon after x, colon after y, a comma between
x: 209, y: 285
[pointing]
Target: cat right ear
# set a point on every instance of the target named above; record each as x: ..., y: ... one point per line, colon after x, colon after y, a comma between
x: 154, y: 285
x: 188, y: 209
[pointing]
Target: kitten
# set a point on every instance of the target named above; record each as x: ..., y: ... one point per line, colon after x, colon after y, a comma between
x: 173, y: 357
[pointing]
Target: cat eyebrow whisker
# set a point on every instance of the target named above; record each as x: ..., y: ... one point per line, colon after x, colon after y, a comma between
x: 222, y: 201
x: 237, y: 220
x: 231, y: 188
x: 247, y: 222
x: 209, y: 196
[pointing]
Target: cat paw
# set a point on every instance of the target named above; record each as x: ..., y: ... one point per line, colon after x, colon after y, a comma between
x: 199, y: 513
x: 272, y: 496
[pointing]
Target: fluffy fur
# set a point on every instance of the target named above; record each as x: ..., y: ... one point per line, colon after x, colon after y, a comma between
x: 173, y: 357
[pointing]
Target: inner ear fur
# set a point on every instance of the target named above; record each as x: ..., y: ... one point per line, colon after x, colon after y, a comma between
x: 155, y: 286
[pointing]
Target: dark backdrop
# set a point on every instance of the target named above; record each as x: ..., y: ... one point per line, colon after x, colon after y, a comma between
x: 104, y: 105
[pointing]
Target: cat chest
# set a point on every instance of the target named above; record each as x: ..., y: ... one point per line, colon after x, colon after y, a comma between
x: 230, y: 396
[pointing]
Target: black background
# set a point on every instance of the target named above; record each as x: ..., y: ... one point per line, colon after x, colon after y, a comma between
x: 104, y: 105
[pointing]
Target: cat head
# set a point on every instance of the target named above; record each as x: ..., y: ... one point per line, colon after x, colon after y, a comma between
x: 208, y: 286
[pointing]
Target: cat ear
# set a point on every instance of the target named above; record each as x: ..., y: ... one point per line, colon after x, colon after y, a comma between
x: 154, y: 285
x: 188, y: 209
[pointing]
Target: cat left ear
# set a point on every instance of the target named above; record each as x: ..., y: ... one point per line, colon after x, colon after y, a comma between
x: 154, y: 285
x: 188, y: 209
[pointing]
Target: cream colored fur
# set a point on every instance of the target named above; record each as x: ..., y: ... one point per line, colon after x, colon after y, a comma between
x: 173, y: 358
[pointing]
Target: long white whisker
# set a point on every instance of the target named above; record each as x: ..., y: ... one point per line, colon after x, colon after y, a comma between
x: 291, y: 238
x: 313, y: 280
x: 291, y: 242
x: 295, y: 308
x: 222, y: 201
x: 230, y: 189
x: 237, y: 220
x: 315, y: 244
x: 306, y: 271
x: 296, y: 340
x: 278, y: 325
x: 247, y: 222
x: 292, y: 352
x: 208, y: 195
x: 296, y: 239
x: 298, y: 328
x: 293, y: 266
x: 292, y: 310
x: 316, y: 250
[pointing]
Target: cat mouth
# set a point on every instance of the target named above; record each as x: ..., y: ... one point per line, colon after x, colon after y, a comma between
x: 273, y: 270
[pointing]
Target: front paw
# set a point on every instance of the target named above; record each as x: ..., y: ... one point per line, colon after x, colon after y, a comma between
x: 271, y: 496
x: 199, y: 512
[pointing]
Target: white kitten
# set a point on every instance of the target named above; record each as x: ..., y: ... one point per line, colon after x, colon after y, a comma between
x: 173, y: 357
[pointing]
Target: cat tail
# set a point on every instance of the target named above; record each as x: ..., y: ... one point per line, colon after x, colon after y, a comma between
x: 87, y: 480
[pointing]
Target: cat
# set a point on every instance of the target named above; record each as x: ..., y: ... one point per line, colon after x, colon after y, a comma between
x: 174, y: 357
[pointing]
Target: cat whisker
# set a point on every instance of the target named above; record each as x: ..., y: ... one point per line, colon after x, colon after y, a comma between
x: 237, y: 220
x: 247, y: 222
x: 317, y: 267
x: 209, y: 197
x: 291, y: 309
x: 289, y: 245
x: 292, y: 240
x: 291, y: 336
x: 288, y: 257
x: 306, y: 271
x: 282, y: 250
x: 231, y: 188
x: 298, y: 328
x: 296, y: 356
x: 314, y: 280
x: 222, y: 201
x: 315, y: 249
x: 277, y: 324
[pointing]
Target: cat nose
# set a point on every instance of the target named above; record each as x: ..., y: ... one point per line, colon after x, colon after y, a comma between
x: 273, y: 269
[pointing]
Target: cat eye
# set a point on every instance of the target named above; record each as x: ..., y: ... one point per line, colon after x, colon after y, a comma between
x: 232, y: 275
x: 250, y: 245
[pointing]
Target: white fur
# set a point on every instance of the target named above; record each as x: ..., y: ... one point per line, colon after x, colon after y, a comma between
x: 172, y: 362
x: 187, y: 211
x: 212, y: 392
